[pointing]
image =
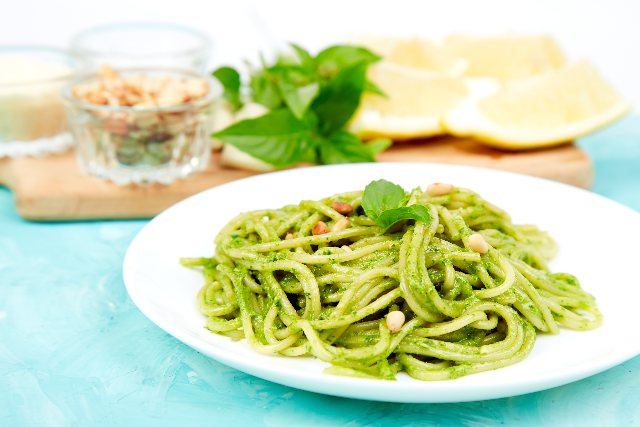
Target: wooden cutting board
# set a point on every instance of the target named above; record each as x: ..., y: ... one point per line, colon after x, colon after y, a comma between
x: 53, y: 188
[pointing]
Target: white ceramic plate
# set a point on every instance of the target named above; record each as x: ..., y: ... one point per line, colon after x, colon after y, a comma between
x: 598, y: 242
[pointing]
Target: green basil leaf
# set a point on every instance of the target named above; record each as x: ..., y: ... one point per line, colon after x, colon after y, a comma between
x: 298, y: 99
x: 229, y: 78
x: 335, y: 58
x: 296, y: 86
x: 380, y: 196
x: 340, y: 98
x: 345, y: 147
x: 371, y: 87
x: 306, y: 60
x: 415, y: 212
x: 277, y: 137
x: 378, y: 145
x: 292, y: 73
x: 309, y: 150
x: 264, y: 90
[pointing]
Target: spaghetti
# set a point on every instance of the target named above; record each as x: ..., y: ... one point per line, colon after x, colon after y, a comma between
x: 292, y: 291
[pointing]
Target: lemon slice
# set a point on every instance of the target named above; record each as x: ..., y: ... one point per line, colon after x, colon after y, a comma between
x: 506, y: 57
x: 547, y: 110
x: 414, y: 106
x: 415, y: 53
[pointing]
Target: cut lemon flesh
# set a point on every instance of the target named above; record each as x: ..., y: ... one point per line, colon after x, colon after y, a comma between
x: 414, y: 53
x: 552, y: 108
x: 506, y: 57
x: 414, y: 104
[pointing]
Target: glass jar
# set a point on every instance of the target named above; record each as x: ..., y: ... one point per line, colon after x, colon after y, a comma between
x: 32, y: 115
x: 141, y: 144
x: 139, y: 44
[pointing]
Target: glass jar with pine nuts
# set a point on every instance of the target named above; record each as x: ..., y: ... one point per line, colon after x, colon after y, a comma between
x: 141, y: 125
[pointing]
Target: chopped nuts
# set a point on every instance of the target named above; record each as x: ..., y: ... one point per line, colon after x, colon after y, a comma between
x: 116, y: 90
x: 478, y: 244
x: 342, y: 208
x: 395, y: 320
x: 341, y: 224
x: 439, y: 189
x: 289, y: 236
x: 319, y: 228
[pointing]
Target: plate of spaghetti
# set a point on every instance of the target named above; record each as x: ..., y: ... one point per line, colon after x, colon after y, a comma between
x: 395, y: 282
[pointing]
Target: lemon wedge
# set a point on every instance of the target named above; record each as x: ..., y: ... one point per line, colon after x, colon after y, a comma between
x: 552, y: 108
x: 506, y: 57
x: 414, y: 52
x: 414, y: 104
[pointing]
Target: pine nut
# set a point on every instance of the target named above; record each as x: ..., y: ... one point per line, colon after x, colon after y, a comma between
x: 289, y: 236
x: 319, y: 228
x: 478, y: 244
x: 341, y: 207
x: 439, y: 189
x: 341, y: 224
x: 395, y: 320
x: 346, y: 248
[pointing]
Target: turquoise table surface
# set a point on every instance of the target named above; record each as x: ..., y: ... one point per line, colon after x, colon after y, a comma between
x: 74, y: 350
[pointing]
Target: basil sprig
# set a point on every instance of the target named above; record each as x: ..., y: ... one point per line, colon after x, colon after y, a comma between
x: 385, y: 203
x: 311, y: 100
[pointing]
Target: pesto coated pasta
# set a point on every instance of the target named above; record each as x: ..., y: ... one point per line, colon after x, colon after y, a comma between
x: 464, y: 292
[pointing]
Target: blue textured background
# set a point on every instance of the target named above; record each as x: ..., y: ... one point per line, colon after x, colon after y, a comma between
x: 74, y: 350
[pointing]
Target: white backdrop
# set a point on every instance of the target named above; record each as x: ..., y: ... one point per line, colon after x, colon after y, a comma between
x: 607, y: 32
